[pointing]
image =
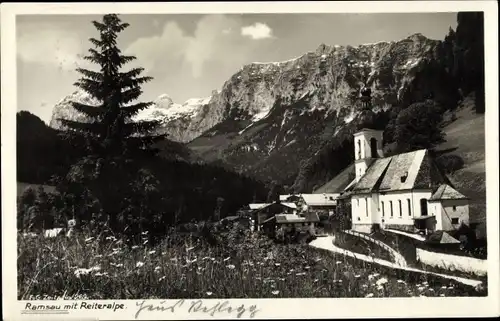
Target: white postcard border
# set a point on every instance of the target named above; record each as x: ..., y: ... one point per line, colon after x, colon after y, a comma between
x: 267, y: 308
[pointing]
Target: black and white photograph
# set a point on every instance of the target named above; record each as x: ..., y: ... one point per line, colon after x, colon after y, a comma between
x: 185, y: 156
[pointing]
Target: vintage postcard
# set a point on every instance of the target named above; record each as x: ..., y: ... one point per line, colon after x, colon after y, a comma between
x: 249, y: 160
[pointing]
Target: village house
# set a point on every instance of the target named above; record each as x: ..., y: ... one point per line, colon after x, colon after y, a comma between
x: 321, y: 203
x: 405, y: 191
x: 263, y: 211
x: 288, y: 222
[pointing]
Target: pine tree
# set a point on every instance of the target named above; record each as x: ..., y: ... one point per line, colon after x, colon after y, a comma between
x: 116, y: 145
x: 111, y: 131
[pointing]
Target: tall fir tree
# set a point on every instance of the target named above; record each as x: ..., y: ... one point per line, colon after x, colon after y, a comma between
x: 110, y: 131
x: 117, y: 146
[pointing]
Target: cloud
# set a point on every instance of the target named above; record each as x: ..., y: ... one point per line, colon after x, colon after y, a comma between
x: 47, y: 44
x: 257, y: 31
x: 209, y: 42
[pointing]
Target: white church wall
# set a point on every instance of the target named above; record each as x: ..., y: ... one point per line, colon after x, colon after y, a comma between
x: 400, y: 215
x: 362, y: 212
x: 416, y: 197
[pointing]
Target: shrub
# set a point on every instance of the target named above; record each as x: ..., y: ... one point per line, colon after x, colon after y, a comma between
x: 450, y: 163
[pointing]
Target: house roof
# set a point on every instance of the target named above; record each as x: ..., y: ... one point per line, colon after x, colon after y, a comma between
x: 441, y: 237
x: 259, y: 206
x: 293, y: 218
x: 256, y: 206
x: 385, y: 174
x: 339, y: 182
x: 446, y: 192
x: 289, y: 204
x: 320, y: 199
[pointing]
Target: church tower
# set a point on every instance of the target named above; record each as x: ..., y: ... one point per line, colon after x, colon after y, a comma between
x: 367, y: 142
x: 367, y: 148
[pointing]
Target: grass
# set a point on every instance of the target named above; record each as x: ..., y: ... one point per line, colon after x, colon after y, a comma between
x: 252, y: 268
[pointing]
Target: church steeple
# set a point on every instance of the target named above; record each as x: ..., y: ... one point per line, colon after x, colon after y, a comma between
x: 367, y: 141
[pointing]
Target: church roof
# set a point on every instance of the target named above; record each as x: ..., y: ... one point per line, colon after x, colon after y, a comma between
x: 339, y: 182
x: 446, y: 192
x: 406, y: 171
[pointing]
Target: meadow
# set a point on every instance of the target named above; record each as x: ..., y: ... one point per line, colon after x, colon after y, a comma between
x: 251, y: 266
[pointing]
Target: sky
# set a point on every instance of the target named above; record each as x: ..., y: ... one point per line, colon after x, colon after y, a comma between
x: 189, y: 56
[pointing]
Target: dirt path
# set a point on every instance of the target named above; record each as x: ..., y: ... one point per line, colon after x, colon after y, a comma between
x: 326, y: 243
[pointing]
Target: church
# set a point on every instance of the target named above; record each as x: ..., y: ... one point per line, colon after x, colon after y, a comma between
x: 406, y: 191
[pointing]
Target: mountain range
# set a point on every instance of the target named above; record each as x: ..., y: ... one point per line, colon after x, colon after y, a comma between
x: 270, y: 116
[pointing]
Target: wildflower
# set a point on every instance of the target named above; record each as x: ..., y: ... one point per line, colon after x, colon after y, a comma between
x: 375, y: 274
x: 134, y: 247
x: 444, y: 287
x: 152, y: 252
x: 364, y: 285
x: 162, y: 278
x: 189, y: 248
x: 145, y: 232
x: 370, y: 277
x: 369, y: 295
x: 145, y: 242
x: 101, y: 274
x: 209, y: 293
x: 191, y: 261
x: 380, y: 287
x: 307, y: 267
x: 157, y: 269
x: 300, y: 274
x: 442, y: 294
x: 277, y: 264
x: 338, y: 262
x: 230, y: 266
x: 89, y: 239
x: 401, y: 281
x: 98, y: 256
x: 139, y: 264
x: 317, y: 259
x: 79, y: 272
x: 205, y: 258
x: 316, y: 280
x: 276, y: 292
x: 108, y: 238
x: 421, y: 288
x: 357, y: 276
x: 381, y: 281
x: 173, y: 259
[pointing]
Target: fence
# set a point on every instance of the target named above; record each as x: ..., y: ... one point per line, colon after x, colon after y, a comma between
x: 398, y: 258
x: 453, y: 262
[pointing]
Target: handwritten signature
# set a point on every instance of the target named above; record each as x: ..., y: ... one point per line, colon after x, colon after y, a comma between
x: 198, y: 306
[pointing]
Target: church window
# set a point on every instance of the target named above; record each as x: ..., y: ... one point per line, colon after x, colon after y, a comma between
x: 400, y: 209
x: 366, y: 206
x: 373, y: 147
x: 382, y: 206
x: 409, y: 206
x: 392, y: 211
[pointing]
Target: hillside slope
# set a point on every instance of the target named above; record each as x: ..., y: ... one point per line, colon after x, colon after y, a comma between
x: 465, y: 138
